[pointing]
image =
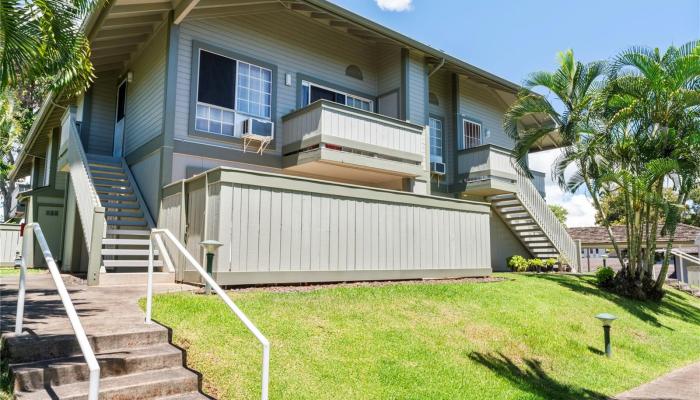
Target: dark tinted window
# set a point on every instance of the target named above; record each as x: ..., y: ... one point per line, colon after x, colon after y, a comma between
x: 121, y: 101
x: 217, y: 77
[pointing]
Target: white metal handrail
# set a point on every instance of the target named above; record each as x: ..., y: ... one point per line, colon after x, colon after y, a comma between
x: 88, y: 353
x: 212, y: 283
x: 538, y: 209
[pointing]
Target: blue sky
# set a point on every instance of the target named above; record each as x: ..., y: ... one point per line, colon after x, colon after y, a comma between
x: 512, y: 38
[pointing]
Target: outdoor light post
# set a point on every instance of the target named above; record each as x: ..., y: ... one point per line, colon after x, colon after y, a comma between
x: 210, y: 247
x: 605, y: 258
x: 607, y: 320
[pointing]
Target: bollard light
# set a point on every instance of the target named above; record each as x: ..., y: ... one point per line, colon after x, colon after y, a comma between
x: 607, y: 320
x: 210, y: 247
x: 605, y: 258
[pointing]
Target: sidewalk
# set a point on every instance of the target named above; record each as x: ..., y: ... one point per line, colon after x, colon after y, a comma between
x: 681, y: 384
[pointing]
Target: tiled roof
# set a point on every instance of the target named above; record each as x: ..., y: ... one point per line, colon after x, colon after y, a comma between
x: 685, y: 235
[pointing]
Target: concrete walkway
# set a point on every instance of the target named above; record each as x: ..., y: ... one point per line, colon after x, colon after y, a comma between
x: 681, y: 384
x: 101, y: 309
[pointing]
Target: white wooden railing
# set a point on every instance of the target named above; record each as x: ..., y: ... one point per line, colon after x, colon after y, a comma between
x: 91, y: 212
x: 537, y: 207
x: 88, y: 353
x: 155, y: 236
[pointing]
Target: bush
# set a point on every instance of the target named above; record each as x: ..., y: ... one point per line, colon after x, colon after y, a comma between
x: 550, y: 263
x: 604, y: 276
x: 517, y: 263
x: 535, y: 264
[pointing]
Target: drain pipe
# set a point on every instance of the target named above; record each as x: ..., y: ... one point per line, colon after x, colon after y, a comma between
x: 442, y: 63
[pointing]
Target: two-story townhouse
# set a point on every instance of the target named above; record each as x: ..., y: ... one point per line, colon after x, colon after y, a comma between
x: 316, y: 145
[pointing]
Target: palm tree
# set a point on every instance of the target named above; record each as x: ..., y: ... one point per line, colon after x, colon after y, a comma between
x: 659, y: 95
x: 632, y: 134
x: 42, y: 39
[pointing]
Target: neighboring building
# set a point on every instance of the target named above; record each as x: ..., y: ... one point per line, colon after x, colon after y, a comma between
x: 597, y: 246
x: 336, y: 149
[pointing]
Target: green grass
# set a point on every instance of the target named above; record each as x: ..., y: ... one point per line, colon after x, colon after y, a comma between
x: 12, y: 271
x: 529, y: 337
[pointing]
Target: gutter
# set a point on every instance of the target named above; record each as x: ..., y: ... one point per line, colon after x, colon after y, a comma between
x: 442, y: 64
x: 406, y: 41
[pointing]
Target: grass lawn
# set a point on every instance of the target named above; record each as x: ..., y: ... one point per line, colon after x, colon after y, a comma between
x: 12, y: 271
x: 529, y: 337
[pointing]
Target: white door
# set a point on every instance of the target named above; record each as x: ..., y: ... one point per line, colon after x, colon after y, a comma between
x: 119, y: 121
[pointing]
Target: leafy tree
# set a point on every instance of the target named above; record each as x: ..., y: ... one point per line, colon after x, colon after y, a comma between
x: 631, y: 133
x: 560, y: 212
x: 614, y: 206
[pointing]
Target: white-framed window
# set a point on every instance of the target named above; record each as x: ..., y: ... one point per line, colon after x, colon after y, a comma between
x: 312, y: 92
x: 227, y: 87
x: 436, y: 135
x: 471, y: 136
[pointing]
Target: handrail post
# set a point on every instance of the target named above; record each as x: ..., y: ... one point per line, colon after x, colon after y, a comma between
x: 95, y: 257
x: 21, y: 291
x: 149, y: 281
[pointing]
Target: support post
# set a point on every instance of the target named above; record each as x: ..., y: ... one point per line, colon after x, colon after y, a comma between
x: 95, y: 257
x: 578, y: 256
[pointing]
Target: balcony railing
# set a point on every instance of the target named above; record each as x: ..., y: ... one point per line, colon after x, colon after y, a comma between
x: 325, y: 124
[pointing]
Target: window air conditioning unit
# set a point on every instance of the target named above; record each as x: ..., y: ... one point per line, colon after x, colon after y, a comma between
x: 438, y: 168
x: 258, y: 131
x: 254, y: 126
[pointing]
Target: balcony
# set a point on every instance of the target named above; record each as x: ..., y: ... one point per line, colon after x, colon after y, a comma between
x: 489, y: 170
x: 338, y: 142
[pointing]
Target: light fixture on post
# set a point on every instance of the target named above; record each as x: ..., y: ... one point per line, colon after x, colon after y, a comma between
x: 210, y: 247
x: 607, y: 320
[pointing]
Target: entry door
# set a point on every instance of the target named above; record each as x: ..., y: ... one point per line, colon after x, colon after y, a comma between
x: 119, y: 122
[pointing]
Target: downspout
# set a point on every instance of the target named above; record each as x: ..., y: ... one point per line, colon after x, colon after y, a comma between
x: 442, y: 64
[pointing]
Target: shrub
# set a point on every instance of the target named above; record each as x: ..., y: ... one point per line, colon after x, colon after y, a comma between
x: 604, y: 276
x: 535, y: 264
x: 550, y: 263
x: 517, y: 263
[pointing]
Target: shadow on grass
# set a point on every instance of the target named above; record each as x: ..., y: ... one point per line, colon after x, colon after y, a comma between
x: 673, y: 305
x: 532, y: 378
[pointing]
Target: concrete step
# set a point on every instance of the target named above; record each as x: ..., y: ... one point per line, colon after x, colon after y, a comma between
x: 510, y: 208
x: 513, y: 215
x: 134, y: 278
x: 35, y: 376
x: 106, y: 170
x: 187, y: 396
x: 109, y: 176
x: 130, y: 263
x: 27, y: 348
x: 143, y: 385
x: 128, y: 232
x: 524, y: 221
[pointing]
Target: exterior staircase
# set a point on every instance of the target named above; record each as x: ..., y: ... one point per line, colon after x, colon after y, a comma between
x: 528, y: 216
x: 135, y: 364
x: 128, y: 224
x: 514, y: 214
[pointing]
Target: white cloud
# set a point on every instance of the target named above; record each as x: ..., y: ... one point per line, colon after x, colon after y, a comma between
x: 579, y: 206
x: 395, y: 5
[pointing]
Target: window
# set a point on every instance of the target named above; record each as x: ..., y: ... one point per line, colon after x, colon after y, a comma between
x: 227, y: 87
x: 435, y: 139
x: 312, y: 92
x: 472, y: 134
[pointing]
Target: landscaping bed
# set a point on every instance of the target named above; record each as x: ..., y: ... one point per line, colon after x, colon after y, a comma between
x: 529, y: 336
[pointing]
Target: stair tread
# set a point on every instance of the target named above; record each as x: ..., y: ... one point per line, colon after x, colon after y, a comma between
x: 120, y: 205
x: 128, y: 232
x: 126, y: 252
x: 164, y: 349
x: 160, y: 383
x: 186, y: 396
x: 125, y: 242
x: 130, y: 263
x: 109, y: 189
x: 126, y: 223
x: 134, y: 214
x: 111, y: 183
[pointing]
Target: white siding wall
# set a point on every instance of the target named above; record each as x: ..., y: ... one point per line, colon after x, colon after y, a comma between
x: 508, y: 244
x: 146, y: 173
x: 417, y: 89
x: 389, y: 69
x: 480, y: 103
x: 286, y: 40
x: 103, y: 107
x: 146, y: 94
x: 9, y: 240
